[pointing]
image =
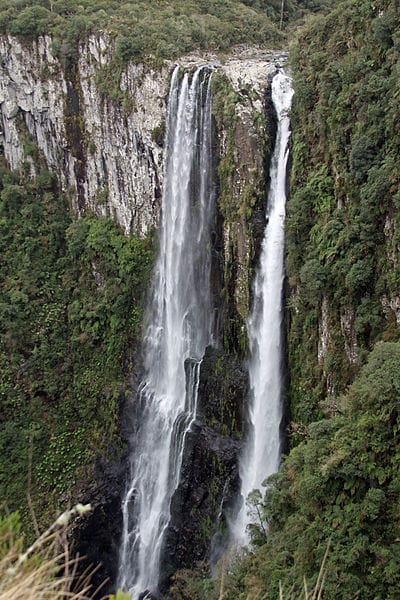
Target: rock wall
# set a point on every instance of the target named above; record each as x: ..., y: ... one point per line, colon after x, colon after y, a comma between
x: 107, y: 148
x: 106, y: 151
x: 207, y: 493
x: 101, y: 149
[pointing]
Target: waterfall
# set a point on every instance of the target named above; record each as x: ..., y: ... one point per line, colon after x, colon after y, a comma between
x: 261, y: 455
x: 179, y: 327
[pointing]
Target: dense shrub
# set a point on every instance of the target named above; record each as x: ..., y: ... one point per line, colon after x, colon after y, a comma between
x: 70, y: 312
x: 342, y: 213
x: 162, y: 29
x: 341, y: 484
x: 337, y: 494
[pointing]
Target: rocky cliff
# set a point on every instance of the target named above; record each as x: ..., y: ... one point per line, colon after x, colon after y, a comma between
x: 102, y: 150
x: 101, y: 131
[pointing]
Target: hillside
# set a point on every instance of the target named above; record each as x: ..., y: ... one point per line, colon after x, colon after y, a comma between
x: 339, y: 486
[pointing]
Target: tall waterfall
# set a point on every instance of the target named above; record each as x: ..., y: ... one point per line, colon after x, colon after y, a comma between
x: 178, y: 331
x: 262, y: 450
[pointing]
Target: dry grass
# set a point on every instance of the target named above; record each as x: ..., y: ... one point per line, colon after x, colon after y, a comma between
x: 44, y: 571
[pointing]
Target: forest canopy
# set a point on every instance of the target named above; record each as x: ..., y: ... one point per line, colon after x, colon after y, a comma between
x: 160, y: 28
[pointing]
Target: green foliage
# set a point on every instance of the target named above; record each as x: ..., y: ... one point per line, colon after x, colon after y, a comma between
x: 164, y: 29
x: 342, y: 224
x: 342, y: 484
x: 32, y: 21
x: 70, y: 312
x: 120, y: 596
x: 158, y: 134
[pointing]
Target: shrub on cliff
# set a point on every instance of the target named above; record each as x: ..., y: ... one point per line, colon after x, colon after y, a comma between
x: 343, y: 212
x: 70, y: 310
x: 341, y: 484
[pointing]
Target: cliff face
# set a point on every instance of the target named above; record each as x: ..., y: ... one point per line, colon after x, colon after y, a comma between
x: 343, y: 213
x: 102, y: 150
x: 102, y: 134
x: 101, y: 131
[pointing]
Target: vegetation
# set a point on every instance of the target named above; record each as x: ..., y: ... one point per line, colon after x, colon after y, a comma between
x: 72, y: 290
x: 344, y: 209
x: 45, y: 570
x: 162, y: 28
x: 70, y: 311
x: 340, y: 484
x: 339, y: 488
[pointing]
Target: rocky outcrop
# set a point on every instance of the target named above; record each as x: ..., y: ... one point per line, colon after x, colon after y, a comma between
x: 96, y: 536
x: 245, y: 133
x: 102, y: 150
x: 222, y: 388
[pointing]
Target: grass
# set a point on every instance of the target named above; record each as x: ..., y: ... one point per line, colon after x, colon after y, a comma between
x: 45, y: 570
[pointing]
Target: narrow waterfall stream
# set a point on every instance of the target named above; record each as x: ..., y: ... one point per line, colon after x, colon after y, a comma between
x: 261, y: 455
x: 178, y: 331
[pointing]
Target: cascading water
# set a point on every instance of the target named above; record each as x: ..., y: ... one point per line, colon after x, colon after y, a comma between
x: 261, y: 455
x: 179, y: 329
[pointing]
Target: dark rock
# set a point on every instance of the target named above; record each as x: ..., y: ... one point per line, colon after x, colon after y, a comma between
x: 209, y: 482
x: 96, y: 536
x: 147, y: 595
x: 222, y: 389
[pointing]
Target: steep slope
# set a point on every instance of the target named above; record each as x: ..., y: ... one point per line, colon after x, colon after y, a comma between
x: 343, y: 214
x: 81, y: 374
x: 72, y: 291
x: 339, y: 486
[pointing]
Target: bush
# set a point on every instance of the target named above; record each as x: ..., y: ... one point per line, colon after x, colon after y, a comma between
x: 32, y: 21
x: 70, y: 312
x: 339, y: 487
x: 362, y: 156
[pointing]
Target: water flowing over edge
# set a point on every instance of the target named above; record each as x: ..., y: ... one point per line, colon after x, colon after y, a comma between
x: 262, y: 449
x: 179, y: 328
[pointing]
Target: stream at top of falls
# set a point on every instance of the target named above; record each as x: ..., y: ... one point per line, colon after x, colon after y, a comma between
x: 179, y: 328
x: 262, y: 448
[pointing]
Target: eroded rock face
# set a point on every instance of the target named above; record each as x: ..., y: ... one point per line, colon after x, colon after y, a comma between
x: 222, y: 389
x: 102, y: 150
x: 209, y: 480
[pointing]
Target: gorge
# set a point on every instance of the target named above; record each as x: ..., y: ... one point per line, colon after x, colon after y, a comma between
x: 136, y: 205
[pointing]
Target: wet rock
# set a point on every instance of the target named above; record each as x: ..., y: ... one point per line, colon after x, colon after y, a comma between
x: 209, y: 481
x: 222, y: 389
x: 209, y: 484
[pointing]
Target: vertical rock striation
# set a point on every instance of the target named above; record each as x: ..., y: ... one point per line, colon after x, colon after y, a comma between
x: 101, y: 149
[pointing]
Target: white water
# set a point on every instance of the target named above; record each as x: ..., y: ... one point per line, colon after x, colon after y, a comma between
x: 261, y: 456
x: 179, y: 329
